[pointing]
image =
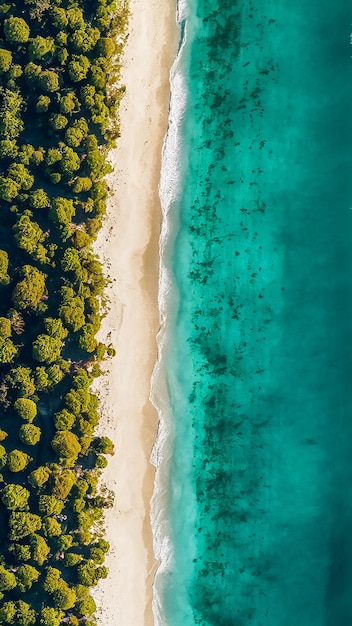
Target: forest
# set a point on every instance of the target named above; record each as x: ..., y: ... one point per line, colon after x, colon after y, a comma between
x: 59, y: 102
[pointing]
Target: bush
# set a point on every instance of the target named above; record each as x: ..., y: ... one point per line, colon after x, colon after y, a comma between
x: 49, y: 505
x: 66, y: 444
x: 47, y: 349
x: 39, y: 476
x: 30, y: 434
x: 15, y: 497
x: 16, y: 30
x: 26, y: 409
x: 5, y: 60
x: 17, y: 460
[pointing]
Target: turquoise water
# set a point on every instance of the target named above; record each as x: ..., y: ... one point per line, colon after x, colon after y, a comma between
x: 253, y: 505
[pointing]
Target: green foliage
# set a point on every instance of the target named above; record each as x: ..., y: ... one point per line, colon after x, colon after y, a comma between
x: 40, y: 47
x: 38, y: 199
x: 5, y: 328
x: 66, y: 444
x: 64, y: 420
x: 8, y: 189
x: 50, y: 617
x: 43, y: 103
x: 58, y: 121
x: 25, y: 408
x: 52, y: 527
x: 8, y: 351
x: 11, y: 123
x: 4, y: 264
x: 17, y: 612
x: 29, y: 237
x: 16, y: 30
x: 29, y: 434
x: 71, y: 559
x: 87, y: 607
x: 15, y: 497
x: 26, y: 575
x: 105, y: 445
x: 40, y: 549
x: 78, y: 68
x: 39, y: 476
x: 69, y: 103
x: 17, y: 460
x: 3, y: 456
x: 63, y: 482
x: 65, y: 542
x: 21, y: 175
x: 23, y: 524
x: 59, y: 17
x: 84, y: 40
x: 5, y: 60
x: 47, y: 349
x: 48, y: 81
x: 21, y: 379
x: 72, y: 309
x: 29, y: 292
x: 49, y: 505
x: 7, y: 579
x: 71, y: 260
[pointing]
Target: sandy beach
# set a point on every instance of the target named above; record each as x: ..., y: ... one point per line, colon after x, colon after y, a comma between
x: 128, y: 248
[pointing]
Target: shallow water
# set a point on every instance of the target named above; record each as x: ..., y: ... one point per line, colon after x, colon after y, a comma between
x: 252, y: 507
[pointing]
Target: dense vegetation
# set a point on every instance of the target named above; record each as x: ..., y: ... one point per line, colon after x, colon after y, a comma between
x: 58, y: 65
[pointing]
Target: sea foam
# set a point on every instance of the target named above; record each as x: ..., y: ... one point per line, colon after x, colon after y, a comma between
x: 169, y: 189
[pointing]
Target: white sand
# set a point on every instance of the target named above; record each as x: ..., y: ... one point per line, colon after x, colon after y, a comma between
x: 128, y: 247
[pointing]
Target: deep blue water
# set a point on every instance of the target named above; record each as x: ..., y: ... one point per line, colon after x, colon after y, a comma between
x: 254, y: 498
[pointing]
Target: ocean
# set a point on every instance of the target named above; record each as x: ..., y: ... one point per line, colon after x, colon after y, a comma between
x: 252, y: 509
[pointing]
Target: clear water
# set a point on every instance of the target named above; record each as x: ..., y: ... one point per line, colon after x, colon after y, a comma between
x: 253, y: 503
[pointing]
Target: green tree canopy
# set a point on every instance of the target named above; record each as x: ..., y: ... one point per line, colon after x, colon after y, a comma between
x: 29, y: 292
x: 49, y: 81
x: 66, y: 444
x: 17, y: 460
x: 11, y: 123
x: 21, y: 175
x: 50, y: 617
x: 40, y: 47
x: 40, y: 549
x: 64, y: 420
x: 62, y: 483
x: 26, y: 575
x: 29, y: 434
x: 15, y: 497
x: 16, y: 30
x: 23, y: 524
x: 21, y: 378
x: 8, y: 189
x: 5, y: 328
x: 50, y: 505
x: 5, y: 60
x: 7, y: 579
x: 39, y: 199
x: 4, y: 264
x: 8, y: 351
x: 47, y: 349
x: 25, y: 408
x: 78, y: 68
x: 39, y: 476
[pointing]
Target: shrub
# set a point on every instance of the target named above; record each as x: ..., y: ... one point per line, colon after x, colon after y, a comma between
x: 46, y: 349
x: 17, y: 460
x: 26, y: 409
x: 29, y: 434
x: 66, y: 444
x: 39, y: 476
x: 16, y: 30
x: 15, y: 497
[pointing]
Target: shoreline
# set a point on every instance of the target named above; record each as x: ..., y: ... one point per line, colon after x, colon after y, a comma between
x: 128, y: 249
